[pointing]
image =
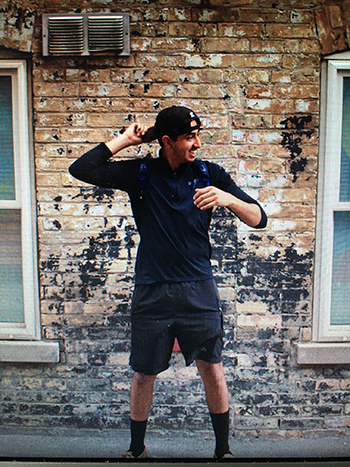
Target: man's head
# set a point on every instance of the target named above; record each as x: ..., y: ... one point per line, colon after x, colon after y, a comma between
x: 173, y: 122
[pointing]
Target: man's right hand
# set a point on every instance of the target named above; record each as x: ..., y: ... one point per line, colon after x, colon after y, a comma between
x: 136, y: 132
x: 132, y: 136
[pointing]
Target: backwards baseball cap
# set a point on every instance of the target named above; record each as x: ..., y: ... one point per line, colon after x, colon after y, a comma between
x: 173, y: 121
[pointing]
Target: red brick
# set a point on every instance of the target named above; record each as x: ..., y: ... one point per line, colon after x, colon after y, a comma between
x: 324, y: 30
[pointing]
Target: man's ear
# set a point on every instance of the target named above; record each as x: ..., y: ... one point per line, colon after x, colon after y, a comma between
x: 167, y: 141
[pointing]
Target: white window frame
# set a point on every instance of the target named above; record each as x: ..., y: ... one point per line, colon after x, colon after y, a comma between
x: 330, y: 343
x: 15, y: 337
x: 328, y: 203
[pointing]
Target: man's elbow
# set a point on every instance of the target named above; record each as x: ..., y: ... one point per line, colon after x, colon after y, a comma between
x: 263, y: 221
x: 74, y: 171
x: 71, y: 169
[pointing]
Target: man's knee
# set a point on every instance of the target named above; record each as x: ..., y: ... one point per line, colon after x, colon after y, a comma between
x: 212, y: 373
x: 144, y: 380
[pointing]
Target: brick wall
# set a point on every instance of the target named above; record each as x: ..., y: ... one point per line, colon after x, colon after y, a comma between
x: 250, y: 68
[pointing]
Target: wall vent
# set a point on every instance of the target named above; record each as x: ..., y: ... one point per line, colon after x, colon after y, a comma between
x: 86, y: 34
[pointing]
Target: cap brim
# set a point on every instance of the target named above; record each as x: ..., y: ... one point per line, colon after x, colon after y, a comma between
x: 151, y: 135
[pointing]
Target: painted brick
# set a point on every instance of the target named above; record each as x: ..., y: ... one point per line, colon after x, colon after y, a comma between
x: 257, y: 60
x: 335, y: 16
x: 219, y: 44
x: 166, y: 61
x: 212, y: 60
x: 300, y: 61
x: 55, y: 89
x: 103, y: 90
x: 239, y: 30
x: 252, y: 72
x: 286, y: 32
x: 81, y: 135
x: 216, y: 15
x: 258, y: 321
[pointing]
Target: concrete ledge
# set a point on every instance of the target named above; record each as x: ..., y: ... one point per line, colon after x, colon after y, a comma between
x: 69, y: 444
x: 29, y: 351
x: 323, y: 353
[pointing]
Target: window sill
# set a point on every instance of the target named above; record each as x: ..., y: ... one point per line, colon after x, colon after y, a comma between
x: 29, y: 351
x: 323, y: 353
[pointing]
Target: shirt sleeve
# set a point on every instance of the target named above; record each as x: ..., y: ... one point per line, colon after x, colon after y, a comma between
x: 221, y: 179
x: 94, y: 168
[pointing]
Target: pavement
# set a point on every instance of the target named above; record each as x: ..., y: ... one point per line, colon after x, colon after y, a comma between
x: 25, y: 446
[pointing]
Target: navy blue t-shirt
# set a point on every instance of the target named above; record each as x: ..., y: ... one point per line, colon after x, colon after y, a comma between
x: 174, y: 240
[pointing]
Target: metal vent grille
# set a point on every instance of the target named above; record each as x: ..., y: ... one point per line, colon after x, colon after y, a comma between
x: 86, y: 34
x: 106, y: 33
x: 66, y: 35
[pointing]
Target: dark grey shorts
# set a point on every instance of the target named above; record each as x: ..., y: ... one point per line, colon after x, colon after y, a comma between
x: 189, y: 311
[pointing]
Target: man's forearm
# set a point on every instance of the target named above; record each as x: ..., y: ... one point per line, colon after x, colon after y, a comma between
x: 118, y: 143
x: 249, y: 213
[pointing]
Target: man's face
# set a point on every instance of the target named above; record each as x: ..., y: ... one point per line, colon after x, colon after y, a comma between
x: 184, y: 149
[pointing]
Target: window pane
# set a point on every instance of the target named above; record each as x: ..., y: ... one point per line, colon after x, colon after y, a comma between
x: 7, y: 176
x: 344, y: 195
x: 340, y: 305
x: 11, y: 290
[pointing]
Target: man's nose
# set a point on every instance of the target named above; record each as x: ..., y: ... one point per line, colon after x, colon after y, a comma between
x: 197, y: 142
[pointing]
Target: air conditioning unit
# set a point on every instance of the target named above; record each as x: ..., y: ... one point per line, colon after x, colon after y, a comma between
x: 86, y: 34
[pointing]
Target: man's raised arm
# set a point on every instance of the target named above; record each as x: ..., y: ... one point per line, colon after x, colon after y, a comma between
x: 93, y: 166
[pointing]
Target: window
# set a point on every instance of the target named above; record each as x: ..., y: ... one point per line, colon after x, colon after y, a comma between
x: 19, y: 295
x: 332, y: 299
x: 331, y: 319
x: 18, y: 287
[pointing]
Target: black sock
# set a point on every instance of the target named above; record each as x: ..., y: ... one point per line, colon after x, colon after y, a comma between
x: 138, y: 431
x: 221, y: 425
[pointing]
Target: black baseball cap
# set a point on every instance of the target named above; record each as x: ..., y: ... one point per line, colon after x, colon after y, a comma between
x: 173, y: 121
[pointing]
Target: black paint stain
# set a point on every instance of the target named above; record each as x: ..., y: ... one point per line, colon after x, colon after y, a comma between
x: 298, y: 166
x: 51, y: 264
x: 95, y: 194
x: 292, y: 139
x: 279, y: 280
x: 24, y: 18
x: 195, y: 42
x: 95, y: 261
x: 280, y: 277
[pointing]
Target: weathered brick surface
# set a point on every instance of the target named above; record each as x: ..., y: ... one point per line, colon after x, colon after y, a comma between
x: 251, y: 70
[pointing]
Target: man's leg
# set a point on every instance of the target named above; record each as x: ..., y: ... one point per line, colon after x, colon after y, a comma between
x: 217, y: 398
x: 216, y: 390
x: 141, y: 396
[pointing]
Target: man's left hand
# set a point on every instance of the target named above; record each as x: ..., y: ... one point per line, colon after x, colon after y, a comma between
x: 210, y: 196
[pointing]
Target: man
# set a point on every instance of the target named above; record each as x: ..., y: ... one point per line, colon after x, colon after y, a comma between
x: 175, y: 295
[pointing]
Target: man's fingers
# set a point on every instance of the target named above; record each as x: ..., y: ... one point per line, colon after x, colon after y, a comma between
x: 205, y: 198
x: 210, y: 197
x: 201, y: 193
x: 136, y: 131
x: 140, y: 129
